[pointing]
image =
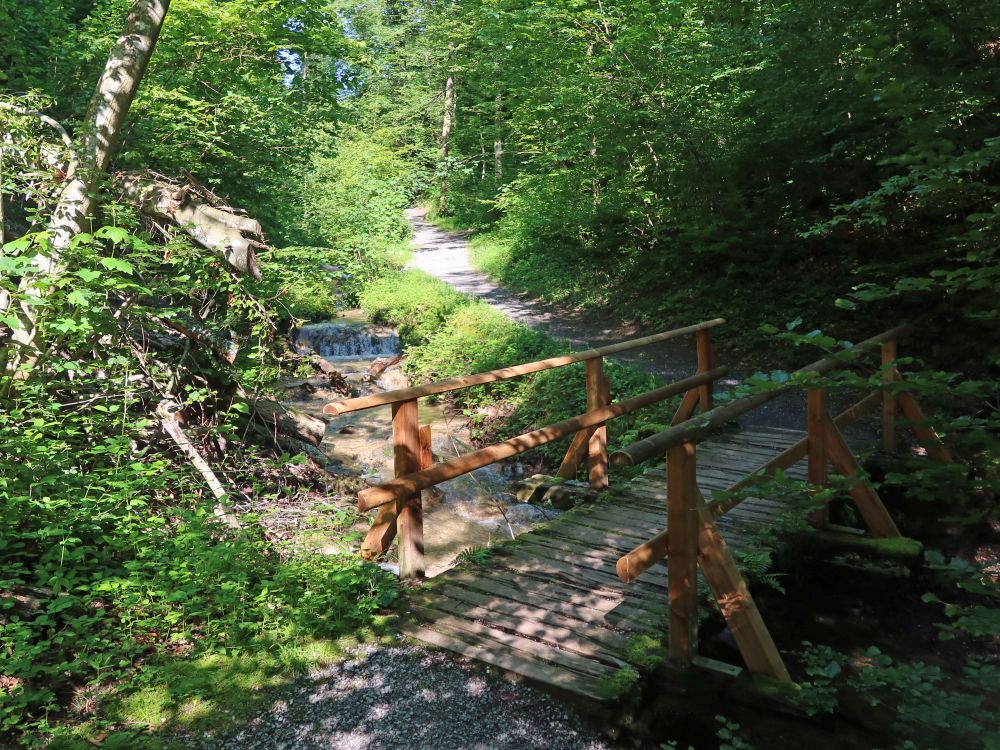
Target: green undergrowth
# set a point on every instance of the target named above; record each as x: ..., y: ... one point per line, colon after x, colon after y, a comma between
x: 578, y: 279
x: 448, y: 334
x: 124, y: 603
x: 310, y: 283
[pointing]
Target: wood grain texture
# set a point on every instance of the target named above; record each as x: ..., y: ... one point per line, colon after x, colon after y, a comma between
x: 554, y: 609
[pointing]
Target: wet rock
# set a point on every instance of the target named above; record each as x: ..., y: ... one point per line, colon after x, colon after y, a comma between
x: 393, y: 379
x: 560, y: 494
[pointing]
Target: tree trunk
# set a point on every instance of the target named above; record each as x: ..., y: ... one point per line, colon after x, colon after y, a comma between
x: 446, y: 126
x: 216, y: 229
x: 101, y: 126
x: 497, y: 128
x: 287, y: 420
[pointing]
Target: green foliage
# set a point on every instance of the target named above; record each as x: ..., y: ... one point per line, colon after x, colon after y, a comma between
x: 645, y: 652
x: 925, y: 704
x: 356, y: 196
x: 474, y: 556
x: 112, y: 554
x: 757, y: 567
x: 621, y: 683
x: 978, y: 615
x: 413, y: 302
x: 729, y: 735
x: 308, y: 283
x: 448, y: 334
x: 670, y: 161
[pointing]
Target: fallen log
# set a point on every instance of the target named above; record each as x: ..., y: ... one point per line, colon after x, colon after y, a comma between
x: 380, y: 365
x: 194, y: 211
x: 167, y: 412
x: 286, y: 420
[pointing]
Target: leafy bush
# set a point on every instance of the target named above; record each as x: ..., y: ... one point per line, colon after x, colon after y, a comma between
x: 357, y: 196
x: 412, y: 301
x: 923, y: 702
x: 311, y: 282
x: 111, y: 554
x: 449, y: 334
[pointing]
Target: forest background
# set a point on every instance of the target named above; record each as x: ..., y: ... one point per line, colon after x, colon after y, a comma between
x: 800, y: 167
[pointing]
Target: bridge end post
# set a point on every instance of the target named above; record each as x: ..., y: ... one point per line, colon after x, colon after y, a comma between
x: 598, y: 396
x: 407, y: 454
x: 816, y: 447
x: 682, y: 553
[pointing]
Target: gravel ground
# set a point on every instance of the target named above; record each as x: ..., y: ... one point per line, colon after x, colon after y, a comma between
x: 384, y: 698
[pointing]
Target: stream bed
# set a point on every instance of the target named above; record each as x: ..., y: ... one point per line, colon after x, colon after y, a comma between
x: 473, y: 510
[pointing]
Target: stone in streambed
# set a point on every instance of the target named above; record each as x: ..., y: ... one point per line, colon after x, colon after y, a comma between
x: 560, y: 494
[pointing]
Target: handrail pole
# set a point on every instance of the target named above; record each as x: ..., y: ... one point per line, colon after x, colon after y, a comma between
x: 373, y: 497
x: 889, y: 405
x: 700, y: 428
x: 682, y: 553
x: 467, y: 381
x: 598, y: 396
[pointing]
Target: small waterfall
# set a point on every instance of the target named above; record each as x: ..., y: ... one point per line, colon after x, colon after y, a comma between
x: 340, y: 340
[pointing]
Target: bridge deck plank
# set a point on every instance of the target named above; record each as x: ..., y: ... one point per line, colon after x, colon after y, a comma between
x: 551, y: 607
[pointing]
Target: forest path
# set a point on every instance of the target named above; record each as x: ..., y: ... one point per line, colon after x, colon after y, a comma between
x: 445, y: 255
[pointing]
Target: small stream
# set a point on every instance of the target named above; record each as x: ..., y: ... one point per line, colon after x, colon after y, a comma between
x: 469, y: 511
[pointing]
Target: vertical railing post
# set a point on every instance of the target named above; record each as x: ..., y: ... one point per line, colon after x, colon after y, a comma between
x: 409, y: 510
x: 889, y: 405
x: 706, y: 362
x: 682, y: 553
x: 816, y: 445
x: 816, y: 413
x: 598, y: 395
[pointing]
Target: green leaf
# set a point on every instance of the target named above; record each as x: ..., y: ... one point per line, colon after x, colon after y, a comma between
x: 116, y: 234
x: 117, y: 264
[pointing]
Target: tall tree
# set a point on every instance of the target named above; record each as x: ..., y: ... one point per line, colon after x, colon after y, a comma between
x: 99, y: 136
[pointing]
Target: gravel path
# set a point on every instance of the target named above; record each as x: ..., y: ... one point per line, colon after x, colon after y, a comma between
x: 446, y: 256
x: 405, y: 697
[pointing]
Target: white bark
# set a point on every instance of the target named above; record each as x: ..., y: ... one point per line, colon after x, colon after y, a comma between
x: 228, y: 234
x: 447, y: 123
x: 102, y: 124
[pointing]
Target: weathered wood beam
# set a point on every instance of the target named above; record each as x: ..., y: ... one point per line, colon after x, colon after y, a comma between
x: 455, y: 384
x: 402, y: 486
x: 868, y: 503
x: 737, y: 605
x: 700, y: 428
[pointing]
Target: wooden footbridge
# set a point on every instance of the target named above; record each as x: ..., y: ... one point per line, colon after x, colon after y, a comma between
x: 564, y: 605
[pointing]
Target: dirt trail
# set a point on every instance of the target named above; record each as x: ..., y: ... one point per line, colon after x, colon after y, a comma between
x: 445, y: 255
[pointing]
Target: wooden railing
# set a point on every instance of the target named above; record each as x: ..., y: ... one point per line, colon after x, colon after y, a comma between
x: 693, y: 539
x: 399, y: 503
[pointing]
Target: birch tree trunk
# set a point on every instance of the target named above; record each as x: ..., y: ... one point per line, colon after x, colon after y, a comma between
x: 98, y: 140
x: 498, y: 139
x: 447, y: 123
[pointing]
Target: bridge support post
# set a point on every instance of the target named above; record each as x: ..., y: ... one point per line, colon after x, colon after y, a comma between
x: 682, y: 553
x: 706, y: 362
x: 889, y: 405
x: 598, y: 396
x: 816, y: 447
x: 407, y: 460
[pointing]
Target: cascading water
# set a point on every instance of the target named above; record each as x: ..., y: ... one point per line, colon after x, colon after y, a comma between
x: 471, y: 510
x: 348, y: 339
